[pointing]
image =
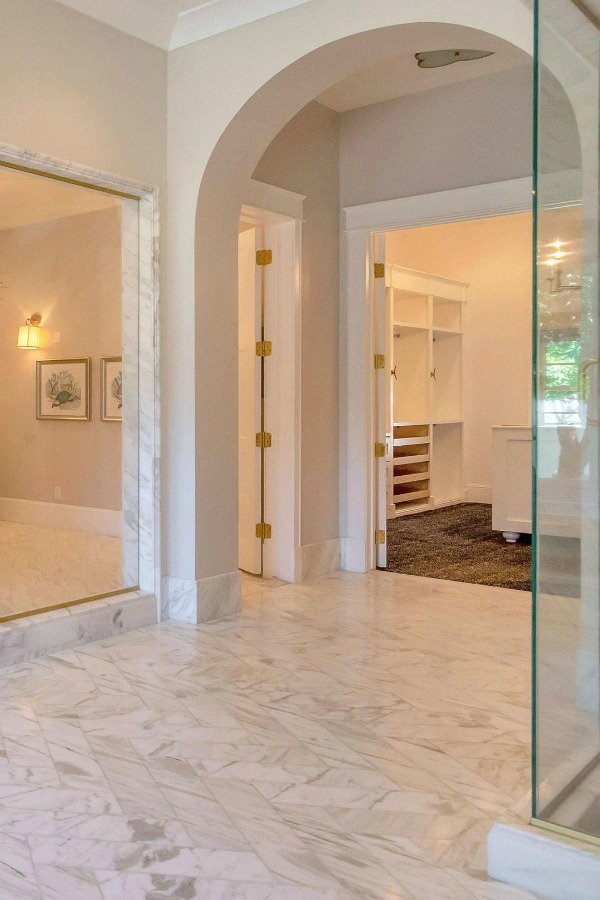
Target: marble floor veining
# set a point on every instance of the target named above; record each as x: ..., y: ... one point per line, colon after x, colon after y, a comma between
x: 350, y: 738
x: 42, y: 567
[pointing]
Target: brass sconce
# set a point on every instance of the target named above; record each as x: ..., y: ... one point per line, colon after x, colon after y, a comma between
x: 29, y: 333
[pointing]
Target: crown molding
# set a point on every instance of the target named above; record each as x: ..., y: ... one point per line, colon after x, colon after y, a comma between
x: 222, y: 15
x: 156, y: 25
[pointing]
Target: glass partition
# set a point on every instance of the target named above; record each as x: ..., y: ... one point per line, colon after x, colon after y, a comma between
x: 566, y: 501
x: 69, y: 449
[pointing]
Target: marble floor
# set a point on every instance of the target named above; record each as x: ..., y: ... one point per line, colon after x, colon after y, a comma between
x: 41, y: 567
x: 349, y: 738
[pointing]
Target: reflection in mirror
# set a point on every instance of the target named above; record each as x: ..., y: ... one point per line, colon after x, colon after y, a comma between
x: 69, y: 389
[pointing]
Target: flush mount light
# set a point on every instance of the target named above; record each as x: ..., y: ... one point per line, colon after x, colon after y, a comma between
x: 29, y: 333
x: 434, y: 59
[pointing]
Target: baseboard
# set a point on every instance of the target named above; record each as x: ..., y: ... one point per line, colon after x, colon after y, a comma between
x: 478, y: 493
x: 32, y: 637
x: 62, y: 516
x: 543, y: 863
x: 353, y: 555
x: 320, y: 558
x: 201, y: 601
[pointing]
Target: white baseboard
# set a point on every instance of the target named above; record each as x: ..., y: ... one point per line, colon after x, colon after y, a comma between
x: 204, y: 600
x: 353, y: 556
x: 478, y: 493
x: 320, y: 558
x: 62, y: 516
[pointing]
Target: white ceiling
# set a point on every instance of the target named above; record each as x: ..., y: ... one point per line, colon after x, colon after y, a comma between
x: 29, y: 199
x: 400, y: 75
x: 174, y: 23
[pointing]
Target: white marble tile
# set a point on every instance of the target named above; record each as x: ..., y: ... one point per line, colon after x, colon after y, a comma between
x: 351, y: 738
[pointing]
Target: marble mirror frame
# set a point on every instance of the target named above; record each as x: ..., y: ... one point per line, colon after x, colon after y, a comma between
x: 141, y: 427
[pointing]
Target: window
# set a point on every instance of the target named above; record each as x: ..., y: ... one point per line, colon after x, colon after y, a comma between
x: 559, y: 374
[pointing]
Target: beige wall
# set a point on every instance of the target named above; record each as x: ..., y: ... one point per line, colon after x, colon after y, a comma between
x: 68, y: 270
x: 494, y: 256
x: 475, y: 132
x: 305, y: 158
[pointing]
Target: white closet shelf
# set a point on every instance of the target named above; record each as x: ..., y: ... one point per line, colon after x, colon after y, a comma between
x: 438, y: 330
x: 412, y: 325
x: 406, y: 460
x: 414, y: 476
x: 410, y: 496
x: 410, y: 441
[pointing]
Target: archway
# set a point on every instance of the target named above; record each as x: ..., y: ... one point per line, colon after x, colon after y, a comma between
x: 212, y: 538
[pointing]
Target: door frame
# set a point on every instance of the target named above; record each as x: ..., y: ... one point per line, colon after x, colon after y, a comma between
x: 360, y: 341
x: 280, y: 213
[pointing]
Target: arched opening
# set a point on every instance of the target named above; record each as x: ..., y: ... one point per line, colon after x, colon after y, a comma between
x: 221, y: 195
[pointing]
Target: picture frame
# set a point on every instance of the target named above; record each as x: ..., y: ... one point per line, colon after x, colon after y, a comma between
x: 111, y: 389
x: 63, y: 389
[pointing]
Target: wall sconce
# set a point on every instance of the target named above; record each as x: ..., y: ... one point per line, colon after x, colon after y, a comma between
x: 29, y: 333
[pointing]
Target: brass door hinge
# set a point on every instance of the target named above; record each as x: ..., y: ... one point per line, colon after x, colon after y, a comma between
x: 263, y: 439
x: 263, y: 531
x: 264, y: 257
x: 379, y: 270
x: 264, y: 348
x: 379, y: 361
x: 380, y: 537
x: 379, y: 451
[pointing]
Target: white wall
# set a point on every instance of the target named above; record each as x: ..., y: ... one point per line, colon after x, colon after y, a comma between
x: 237, y: 90
x: 69, y: 271
x: 494, y: 256
x: 304, y: 158
x: 474, y: 132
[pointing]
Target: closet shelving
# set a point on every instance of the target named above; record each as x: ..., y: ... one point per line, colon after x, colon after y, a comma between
x: 425, y: 320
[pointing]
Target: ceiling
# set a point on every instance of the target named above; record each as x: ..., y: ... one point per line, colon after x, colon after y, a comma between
x: 174, y: 23
x: 30, y: 199
x: 400, y: 75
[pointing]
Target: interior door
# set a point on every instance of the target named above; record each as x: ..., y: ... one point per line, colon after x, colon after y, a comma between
x: 249, y: 403
x: 381, y: 382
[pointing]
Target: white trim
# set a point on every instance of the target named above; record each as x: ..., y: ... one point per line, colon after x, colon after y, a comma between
x: 202, y: 601
x: 500, y: 198
x: 284, y: 236
x: 215, y: 16
x: 362, y: 223
x: 62, y: 516
x: 271, y: 200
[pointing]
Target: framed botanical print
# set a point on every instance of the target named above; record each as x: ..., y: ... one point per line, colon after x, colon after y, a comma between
x: 64, y: 389
x: 111, y: 401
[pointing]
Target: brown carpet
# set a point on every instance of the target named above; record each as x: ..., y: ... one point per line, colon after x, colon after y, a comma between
x: 457, y: 543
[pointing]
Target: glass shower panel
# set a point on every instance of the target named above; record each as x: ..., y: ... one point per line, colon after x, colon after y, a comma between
x: 566, y: 599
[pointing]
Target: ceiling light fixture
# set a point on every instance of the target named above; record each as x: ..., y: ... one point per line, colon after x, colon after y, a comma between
x: 434, y: 59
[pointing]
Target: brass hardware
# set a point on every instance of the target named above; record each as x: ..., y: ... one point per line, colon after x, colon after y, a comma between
x: 379, y: 451
x: 380, y: 537
x: 35, y: 319
x: 264, y: 439
x: 263, y: 531
x: 264, y: 257
x: 264, y: 348
x: 379, y: 270
x: 379, y: 361
x: 432, y: 374
x: 394, y: 372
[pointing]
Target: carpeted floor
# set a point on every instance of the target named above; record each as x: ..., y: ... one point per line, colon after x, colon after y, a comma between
x: 457, y: 543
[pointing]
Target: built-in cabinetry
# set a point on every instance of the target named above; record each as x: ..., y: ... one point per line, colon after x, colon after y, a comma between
x: 425, y: 319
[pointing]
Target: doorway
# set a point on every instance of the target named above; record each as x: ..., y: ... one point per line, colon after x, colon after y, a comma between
x: 268, y: 394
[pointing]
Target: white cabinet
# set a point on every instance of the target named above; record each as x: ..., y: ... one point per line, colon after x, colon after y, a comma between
x: 511, y: 480
x: 425, y: 409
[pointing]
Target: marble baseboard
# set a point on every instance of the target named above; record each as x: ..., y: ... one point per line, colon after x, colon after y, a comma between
x: 548, y: 865
x: 34, y: 636
x: 321, y: 558
x: 202, y: 601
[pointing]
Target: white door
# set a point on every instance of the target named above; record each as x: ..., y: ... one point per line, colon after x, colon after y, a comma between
x: 249, y: 402
x: 381, y: 379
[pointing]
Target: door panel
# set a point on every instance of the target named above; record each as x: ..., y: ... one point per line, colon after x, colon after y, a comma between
x: 249, y: 406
